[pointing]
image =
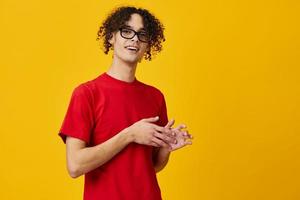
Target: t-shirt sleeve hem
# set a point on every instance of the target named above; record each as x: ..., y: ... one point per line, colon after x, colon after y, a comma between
x: 64, y: 134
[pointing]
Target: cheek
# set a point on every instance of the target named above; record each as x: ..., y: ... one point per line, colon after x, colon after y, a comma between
x: 144, y: 48
x: 119, y: 47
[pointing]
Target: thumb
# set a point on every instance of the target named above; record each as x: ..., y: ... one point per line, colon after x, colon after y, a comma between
x: 170, y: 123
x: 151, y: 119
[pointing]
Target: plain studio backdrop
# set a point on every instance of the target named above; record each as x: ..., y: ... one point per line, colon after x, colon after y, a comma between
x: 229, y: 69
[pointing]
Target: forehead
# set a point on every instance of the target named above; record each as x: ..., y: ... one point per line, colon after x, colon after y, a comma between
x: 135, y: 22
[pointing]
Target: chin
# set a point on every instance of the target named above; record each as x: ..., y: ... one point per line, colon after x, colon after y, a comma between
x: 131, y: 60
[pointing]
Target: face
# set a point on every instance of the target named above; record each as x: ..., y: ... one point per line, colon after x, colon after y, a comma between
x: 130, y: 50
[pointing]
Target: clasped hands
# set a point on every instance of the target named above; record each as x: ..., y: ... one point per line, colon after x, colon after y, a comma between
x: 181, y: 137
x: 147, y: 132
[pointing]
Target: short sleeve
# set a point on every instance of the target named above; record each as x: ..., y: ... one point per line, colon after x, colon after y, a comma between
x: 163, y: 114
x: 79, y: 120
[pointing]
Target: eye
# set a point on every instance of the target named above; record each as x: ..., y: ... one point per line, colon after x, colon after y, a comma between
x: 143, y: 34
x: 126, y: 31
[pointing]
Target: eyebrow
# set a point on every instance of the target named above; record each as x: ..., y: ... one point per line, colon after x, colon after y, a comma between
x: 127, y: 26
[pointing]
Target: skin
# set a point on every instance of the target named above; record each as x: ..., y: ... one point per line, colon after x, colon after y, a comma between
x: 82, y: 159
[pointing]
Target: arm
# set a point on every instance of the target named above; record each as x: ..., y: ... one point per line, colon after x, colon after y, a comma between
x: 82, y: 159
x: 161, y: 155
x: 161, y: 158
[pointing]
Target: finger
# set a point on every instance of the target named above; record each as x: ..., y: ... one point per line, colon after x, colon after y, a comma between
x: 169, y: 132
x: 187, y: 135
x: 188, y: 142
x: 151, y: 119
x: 182, y: 133
x: 159, y: 142
x: 177, y: 132
x: 185, y: 143
x: 162, y: 129
x: 170, y: 123
x: 165, y: 138
x: 172, y: 134
x: 181, y: 126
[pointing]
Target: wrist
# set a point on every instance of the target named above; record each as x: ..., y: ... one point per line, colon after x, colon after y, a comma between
x: 128, y: 135
x: 165, y: 150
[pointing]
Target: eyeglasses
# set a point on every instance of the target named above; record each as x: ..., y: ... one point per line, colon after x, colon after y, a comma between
x: 128, y: 33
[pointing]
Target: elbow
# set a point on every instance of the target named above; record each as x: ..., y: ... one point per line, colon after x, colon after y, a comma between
x: 74, y: 171
x: 158, y: 169
x: 160, y: 166
x: 74, y: 174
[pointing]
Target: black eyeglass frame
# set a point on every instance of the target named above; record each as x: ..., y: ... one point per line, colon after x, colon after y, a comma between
x: 135, y: 33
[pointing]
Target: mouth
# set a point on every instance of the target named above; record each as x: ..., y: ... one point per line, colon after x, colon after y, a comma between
x: 132, y: 48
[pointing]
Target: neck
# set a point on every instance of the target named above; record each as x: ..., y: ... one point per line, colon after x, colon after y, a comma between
x: 122, y: 70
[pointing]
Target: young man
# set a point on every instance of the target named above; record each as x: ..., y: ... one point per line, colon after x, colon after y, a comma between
x: 116, y: 128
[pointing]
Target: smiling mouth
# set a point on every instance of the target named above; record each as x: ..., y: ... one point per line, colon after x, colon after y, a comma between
x: 132, y: 49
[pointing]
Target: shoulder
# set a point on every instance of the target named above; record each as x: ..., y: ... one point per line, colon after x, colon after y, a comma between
x: 153, y: 90
x: 81, y: 89
x: 86, y: 88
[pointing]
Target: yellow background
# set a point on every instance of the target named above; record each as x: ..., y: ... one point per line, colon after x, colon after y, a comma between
x: 229, y: 70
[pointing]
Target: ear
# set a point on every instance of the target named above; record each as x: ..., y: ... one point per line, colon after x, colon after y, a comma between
x: 148, y: 47
x: 112, y: 39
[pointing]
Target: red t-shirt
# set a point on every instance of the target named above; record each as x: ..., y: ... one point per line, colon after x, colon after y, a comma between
x: 101, y: 108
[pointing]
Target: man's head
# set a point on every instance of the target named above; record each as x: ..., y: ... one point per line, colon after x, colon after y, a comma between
x: 135, y: 27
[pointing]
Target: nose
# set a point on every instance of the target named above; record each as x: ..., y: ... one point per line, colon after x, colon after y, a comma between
x: 135, y: 38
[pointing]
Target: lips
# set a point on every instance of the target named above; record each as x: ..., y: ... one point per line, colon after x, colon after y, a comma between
x: 132, y: 48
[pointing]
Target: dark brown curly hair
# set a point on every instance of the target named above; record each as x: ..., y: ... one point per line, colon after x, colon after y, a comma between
x: 120, y: 15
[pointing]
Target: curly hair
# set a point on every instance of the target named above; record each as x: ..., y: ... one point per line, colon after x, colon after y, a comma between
x: 120, y: 15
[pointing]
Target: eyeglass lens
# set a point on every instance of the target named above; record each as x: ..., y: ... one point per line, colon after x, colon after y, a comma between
x: 129, y: 34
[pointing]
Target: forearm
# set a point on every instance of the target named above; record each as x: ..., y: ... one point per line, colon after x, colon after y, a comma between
x: 161, y: 159
x: 89, y: 158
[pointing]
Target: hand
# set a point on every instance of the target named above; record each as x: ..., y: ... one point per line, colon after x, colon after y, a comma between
x: 147, y: 133
x: 183, y: 138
